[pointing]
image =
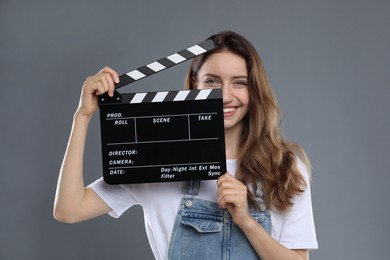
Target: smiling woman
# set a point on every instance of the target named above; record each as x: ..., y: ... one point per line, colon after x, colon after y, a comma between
x: 260, y: 208
x: 228, y: 71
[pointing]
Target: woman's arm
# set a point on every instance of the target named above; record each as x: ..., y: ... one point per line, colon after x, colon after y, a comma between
x: 73, y: 202
x: 265, y: 246
x: 232, y: 194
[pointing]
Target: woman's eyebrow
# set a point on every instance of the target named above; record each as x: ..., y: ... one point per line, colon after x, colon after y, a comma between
x: 240, y: 77
x: 211, y: 75
x: 217, y: 76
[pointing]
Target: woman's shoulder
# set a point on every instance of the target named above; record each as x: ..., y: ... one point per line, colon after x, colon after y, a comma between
x: 303, y: 168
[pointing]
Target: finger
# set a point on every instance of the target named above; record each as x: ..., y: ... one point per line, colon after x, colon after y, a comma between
x: 225, y: 177
x: 235, y: 195
x: 108, y: 84
x: 114, y: 75
x: 229, y: 182
x: 231, y: 190
x: 100, y: 88
x: 104, y: 84
x: 228, y: 186
x: 111, y: 86
x: 231, y: 199
x: 90, y: 85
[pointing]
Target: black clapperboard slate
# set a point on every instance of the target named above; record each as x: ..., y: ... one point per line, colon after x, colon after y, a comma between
x: 162, y: 136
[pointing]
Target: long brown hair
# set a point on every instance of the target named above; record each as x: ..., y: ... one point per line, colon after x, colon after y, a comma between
x: 264, y: 155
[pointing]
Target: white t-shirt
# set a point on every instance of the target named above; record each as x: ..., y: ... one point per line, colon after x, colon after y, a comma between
x: 160, y: 201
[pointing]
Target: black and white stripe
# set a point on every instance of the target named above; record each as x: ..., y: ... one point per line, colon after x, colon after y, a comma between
x: 164, y: 63
x: 170, y: 96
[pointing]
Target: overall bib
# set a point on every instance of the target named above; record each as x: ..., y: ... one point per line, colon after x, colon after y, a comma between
x: 204, y: 231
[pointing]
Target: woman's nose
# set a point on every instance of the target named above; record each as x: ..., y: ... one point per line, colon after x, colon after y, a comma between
x: 226, y: 94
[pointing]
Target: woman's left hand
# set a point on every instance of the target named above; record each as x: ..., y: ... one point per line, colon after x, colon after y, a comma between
x: 232, y: 195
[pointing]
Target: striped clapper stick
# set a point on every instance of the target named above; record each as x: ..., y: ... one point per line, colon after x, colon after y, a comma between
x: 164, y: 63
x: 162, y: 136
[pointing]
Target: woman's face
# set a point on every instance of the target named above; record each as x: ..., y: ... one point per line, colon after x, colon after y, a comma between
x: 227, y: 71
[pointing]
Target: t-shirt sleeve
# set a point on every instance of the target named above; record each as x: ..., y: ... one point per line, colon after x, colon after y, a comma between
x: 118, y: 197
x: 298, y: 230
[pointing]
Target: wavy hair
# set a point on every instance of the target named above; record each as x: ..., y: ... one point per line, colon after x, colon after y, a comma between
x: 264, y: 155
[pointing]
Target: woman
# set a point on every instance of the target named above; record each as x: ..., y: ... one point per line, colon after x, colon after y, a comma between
x: 260, y: 208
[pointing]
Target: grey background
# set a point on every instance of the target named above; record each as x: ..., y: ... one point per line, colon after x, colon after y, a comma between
x: 327, y: 60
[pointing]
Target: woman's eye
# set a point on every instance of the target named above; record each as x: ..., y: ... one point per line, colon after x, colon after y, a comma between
x: 212, y: 83
x: 241, y: 83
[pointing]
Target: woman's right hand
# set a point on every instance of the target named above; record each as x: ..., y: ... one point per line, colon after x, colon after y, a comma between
x: 95, y: 85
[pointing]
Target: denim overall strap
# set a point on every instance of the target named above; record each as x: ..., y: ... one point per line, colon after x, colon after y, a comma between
x: 191, y: 188
x: 204, y: 231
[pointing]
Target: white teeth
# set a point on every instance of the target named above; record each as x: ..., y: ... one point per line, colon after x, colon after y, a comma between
x: 228, y: 109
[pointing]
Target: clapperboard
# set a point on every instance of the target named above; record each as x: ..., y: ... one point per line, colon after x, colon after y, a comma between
x: 162, y: 136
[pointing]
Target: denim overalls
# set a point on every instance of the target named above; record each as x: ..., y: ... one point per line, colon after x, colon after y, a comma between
x: 204, y: 231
